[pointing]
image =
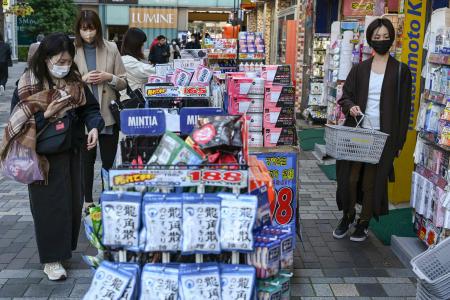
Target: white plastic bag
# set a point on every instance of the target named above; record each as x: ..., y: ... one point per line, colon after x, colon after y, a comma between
x: 21, y: 164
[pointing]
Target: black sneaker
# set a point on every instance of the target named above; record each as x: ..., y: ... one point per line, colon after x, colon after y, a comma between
x: 343, y: 227
x: 360, y: 234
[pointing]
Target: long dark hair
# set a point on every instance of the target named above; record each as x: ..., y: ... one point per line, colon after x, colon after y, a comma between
x: 132, y: 43
x: 88, y: 19
x: 53, y: 44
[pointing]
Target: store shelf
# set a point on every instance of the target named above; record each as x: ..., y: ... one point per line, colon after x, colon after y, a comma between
x: 431, y: 176
x: 432, y: 138
x: 438, y: 58
x: 222, y: 55
x: 434, y: 97
x: 252, y: 56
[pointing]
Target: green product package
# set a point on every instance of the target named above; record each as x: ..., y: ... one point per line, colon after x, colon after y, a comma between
x: 172, y: 150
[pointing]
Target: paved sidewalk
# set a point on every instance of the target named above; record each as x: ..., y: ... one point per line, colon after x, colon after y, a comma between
x: 325, y: 268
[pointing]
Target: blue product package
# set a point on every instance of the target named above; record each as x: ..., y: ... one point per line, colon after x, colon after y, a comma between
x: 201, y: 224
x: 263, y: 214
x: 237, y: 282
x: 108, y: 283
x: 287, y: 251
x: 159, y: 281
x: 132, y: 290
x: 200, y: 282
x: 162, y: 222
x: 238, y: 215
x: 121, y: 216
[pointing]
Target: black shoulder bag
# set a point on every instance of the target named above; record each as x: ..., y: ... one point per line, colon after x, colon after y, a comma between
x: 56, y: 136
x: 136, y: 101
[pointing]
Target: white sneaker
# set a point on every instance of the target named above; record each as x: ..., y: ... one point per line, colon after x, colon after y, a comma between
x: 2, y: 90
x: 55, y: 271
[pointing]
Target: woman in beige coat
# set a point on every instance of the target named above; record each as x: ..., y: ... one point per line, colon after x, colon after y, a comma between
x: 102, y: 69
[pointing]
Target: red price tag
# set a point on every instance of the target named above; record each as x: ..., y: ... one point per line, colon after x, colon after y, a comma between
x: 284, y: 210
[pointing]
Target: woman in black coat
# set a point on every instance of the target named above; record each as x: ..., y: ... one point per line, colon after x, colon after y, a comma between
x: 56, y: 204
x: 379, y: 88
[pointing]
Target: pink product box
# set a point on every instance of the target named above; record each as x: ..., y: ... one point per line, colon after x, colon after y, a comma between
x: 274, y: 137
x: 156, y: 79
x: 277, y: 74
x: 202, y: 76
x: 260, y: 49
x: 245, y: 104
x: 279, y: 117
x: 279, y: 96
x: 255, y: 139
x: 251, y: 49
x: 255, y: 122
x: 182, y: 77
x: 246, y: 86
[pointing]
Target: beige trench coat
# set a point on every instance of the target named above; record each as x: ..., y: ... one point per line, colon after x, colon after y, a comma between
x: 108, y: 60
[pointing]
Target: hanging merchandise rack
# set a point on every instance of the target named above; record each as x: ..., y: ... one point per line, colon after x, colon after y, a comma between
x: 187, y: 211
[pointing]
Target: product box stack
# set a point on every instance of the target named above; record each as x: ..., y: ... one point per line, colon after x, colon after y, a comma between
x: 279, y: 103
x: 246, y: 96
x: 251, y: 42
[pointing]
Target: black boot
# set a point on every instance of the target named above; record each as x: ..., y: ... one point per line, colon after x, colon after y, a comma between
x: 361, y: 232
x: 343, y: 226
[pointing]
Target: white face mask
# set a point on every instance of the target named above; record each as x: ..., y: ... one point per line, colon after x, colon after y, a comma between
x: 59, y: 71
x: 88, y: 35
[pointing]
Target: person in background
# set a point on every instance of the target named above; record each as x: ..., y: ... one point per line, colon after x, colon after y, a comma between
x: 56, y: 203
x: 34, y: 47
x: 175, y: 51
x: 160, y: 52
x: 194, y: 43
x: 379, y: 91
x: 102, y: 69
x: 133, y: 58
x: 5, y: 62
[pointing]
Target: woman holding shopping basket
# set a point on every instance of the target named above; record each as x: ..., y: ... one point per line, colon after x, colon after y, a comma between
x: 377, y: 90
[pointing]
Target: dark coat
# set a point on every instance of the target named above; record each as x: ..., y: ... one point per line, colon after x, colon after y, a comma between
x: 395, y: 108
x: 159, y: 54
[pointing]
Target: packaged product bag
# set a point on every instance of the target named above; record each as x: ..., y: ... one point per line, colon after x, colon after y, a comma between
x: 201, y: 224
x: 159, y: 281
x: 109, y: 282
x: 121, y: 216
x: 200, y: 282
x: 237, y: 282
x: 238, y: 215
x: 162, y: 221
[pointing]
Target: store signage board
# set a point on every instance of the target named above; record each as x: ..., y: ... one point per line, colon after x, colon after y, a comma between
x: 177, y: 177
x: 120, y: 1
x: 282, y: 167
x: 412, y: 55
x: 190, y: 115
x: 357, y: 8
x: 146, y: 17
x: 149, y: 121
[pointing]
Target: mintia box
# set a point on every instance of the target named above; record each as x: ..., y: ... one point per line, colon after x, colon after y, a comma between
x: 255, y: 139
x: 176, y: 91
x: 255, y: 122
x: 279, y: 96
x: 277, y: 74
x: 239, y: 105
x: 274, y: 137
x: 246, y: 86
x: 279, y: 117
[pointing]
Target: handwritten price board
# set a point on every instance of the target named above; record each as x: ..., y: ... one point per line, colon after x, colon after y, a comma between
x: 282, y: 167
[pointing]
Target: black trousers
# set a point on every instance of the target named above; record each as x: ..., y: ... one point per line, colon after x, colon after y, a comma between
x: 108, y: 148
x: 3, y: 73
x: 362, y: 176
x: 56, y: 207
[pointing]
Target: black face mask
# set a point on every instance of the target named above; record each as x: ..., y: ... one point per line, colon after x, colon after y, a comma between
x: 381, y: 47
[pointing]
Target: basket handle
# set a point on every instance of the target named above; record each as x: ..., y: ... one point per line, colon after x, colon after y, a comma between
x: 360, y: 121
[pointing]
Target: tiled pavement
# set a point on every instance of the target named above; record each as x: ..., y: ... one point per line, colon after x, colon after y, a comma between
x: 324, y: 267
